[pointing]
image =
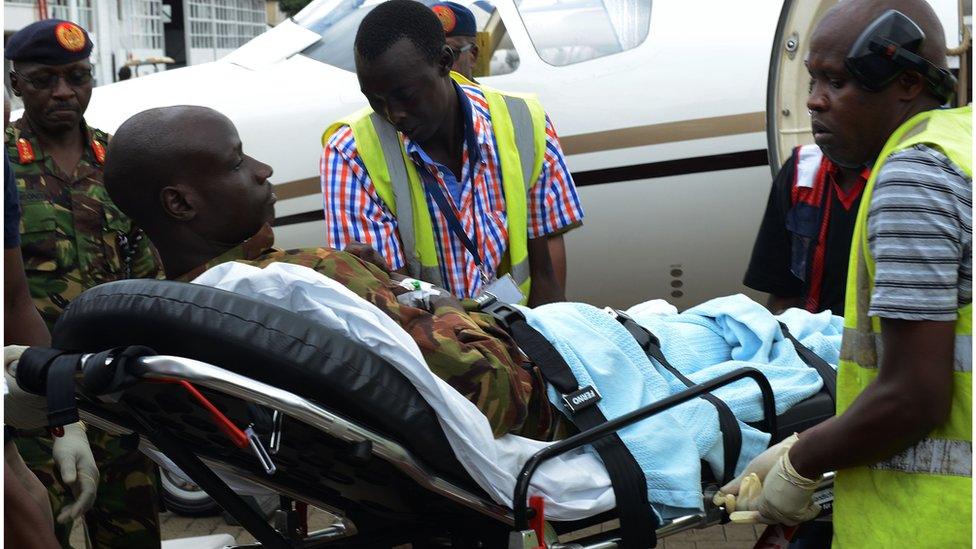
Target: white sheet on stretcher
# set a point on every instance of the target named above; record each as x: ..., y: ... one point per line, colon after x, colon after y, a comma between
x: 575, y: 485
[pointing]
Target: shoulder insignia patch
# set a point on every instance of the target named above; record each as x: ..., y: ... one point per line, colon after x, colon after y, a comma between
x: 98, y: 150
x: 25, y: 151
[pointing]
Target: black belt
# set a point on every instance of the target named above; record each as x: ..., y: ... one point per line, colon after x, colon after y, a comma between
x: 728, y: 425
x: 638, y: 522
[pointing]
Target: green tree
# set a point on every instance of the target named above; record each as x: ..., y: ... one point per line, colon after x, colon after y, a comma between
x: 291, y: 7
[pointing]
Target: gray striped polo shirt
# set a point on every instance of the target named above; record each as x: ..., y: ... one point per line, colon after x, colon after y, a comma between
x: 920, y: 233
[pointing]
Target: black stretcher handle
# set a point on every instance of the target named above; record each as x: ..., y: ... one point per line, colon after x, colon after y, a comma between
x: 32, y: 369
x: 520, y: 501
x: 101, y: 373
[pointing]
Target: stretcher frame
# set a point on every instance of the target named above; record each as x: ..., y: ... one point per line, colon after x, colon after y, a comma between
x: 287, y: 535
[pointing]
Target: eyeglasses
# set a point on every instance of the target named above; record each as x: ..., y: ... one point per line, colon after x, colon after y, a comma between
x: 459, y: 51
x: 49, y: 80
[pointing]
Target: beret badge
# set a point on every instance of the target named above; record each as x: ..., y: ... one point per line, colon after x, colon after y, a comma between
x: 447, y: 17
x: 70, y: 36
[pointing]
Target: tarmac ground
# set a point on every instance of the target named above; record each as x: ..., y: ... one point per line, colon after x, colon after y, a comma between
x: 729, y: 536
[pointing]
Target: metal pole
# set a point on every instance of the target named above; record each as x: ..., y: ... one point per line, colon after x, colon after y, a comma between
x: 213, y: 26
x: 965, y: 39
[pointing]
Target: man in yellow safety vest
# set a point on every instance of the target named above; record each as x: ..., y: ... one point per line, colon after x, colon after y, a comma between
x: 901, y: 442
x: 451, y: 182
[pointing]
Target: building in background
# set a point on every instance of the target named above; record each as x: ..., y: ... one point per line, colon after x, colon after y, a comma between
x: 187, y: 31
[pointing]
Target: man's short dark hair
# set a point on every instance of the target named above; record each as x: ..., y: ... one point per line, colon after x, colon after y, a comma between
x: 392, y: 21
x: 140, y: 162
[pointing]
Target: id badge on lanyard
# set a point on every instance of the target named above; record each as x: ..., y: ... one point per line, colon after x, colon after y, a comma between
x: 505, y: 290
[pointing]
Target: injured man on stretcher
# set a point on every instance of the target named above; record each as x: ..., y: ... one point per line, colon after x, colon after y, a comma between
x: 181, y: 174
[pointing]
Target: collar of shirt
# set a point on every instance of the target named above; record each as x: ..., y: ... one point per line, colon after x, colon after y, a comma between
x: 476, y: 139
x: 87, y: 163
x: 848, y: 197
x: 249, y: 250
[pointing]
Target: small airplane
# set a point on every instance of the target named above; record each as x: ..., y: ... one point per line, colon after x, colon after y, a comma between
x: 661, y: 108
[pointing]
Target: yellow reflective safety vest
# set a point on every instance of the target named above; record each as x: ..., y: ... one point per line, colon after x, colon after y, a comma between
x: 519, y: 123
x: 921, y: 497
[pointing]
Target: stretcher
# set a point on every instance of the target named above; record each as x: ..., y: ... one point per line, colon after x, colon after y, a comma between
x: 218, y: 382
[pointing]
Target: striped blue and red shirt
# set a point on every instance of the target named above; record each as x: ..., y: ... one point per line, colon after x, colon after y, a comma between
x: 355, y: 212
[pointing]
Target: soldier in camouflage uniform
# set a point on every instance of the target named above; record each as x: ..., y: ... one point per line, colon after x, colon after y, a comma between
x: 207, y: 203
x: 73, y: 237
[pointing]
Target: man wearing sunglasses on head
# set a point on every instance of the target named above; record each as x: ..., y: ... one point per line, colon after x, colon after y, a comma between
x: 901, y: 442
x: 72, y: 238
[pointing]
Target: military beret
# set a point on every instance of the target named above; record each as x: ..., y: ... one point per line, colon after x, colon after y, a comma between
x: 456, y: 19
x: 49, y: 42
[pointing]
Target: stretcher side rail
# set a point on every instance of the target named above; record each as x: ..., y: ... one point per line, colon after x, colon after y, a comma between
x: 214, y: 377
x: 219, y: 379
x: 520, y: 498
x: 710, y: 517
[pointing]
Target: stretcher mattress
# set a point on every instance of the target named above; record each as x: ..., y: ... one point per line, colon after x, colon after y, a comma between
x: 265, y: 343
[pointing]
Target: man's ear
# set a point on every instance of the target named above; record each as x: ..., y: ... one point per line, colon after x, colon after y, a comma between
x: 445, y: 61
x: 176, y: 203
x: 911, y: 85
x: 15, y: 83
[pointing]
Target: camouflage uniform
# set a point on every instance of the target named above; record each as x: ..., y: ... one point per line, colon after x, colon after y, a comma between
x: 470, y: 351
x: 72, y: 238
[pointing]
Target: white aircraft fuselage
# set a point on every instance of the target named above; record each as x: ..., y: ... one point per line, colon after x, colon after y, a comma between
x: 665, y: 140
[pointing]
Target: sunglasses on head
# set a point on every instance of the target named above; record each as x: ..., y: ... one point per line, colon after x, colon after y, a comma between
x: 889, y: 46
x: 47, y: 81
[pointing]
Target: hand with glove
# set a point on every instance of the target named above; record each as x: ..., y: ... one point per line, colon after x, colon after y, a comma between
x: 758, y: 467
x: 74, y: 460
x: 21, y: 409
x: 786, y: 497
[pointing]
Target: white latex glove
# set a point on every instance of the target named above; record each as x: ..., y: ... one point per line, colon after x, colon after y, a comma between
x: 12, y: 353
x: 749, y: 490
x: 75, y: 462
x: 786, y: 498
x: 760, y: 466
x: 21, y: 409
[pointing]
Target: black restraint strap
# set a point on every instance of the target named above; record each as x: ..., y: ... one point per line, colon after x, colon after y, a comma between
x: 61, y: 407
x: 827, y: 373
x: 114, y: 370
x: 731, y: 432
x: 32, y: 369
x: 638, y: 522
x: 545, y: 356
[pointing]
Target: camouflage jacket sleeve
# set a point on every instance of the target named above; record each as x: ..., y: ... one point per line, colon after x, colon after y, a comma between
x: 469, y: 352
x: 478, y: 359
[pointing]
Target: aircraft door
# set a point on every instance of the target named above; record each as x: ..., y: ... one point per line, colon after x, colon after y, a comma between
x: 787, y: 120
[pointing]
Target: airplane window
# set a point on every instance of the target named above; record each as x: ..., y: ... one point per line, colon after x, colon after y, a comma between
x: 336, y: 21
x: 572, y: 31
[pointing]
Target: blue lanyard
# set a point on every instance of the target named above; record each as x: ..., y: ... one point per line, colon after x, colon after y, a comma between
x: 434, y: 190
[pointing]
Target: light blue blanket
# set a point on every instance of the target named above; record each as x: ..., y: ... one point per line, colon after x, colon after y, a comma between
x: 703, y: 343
